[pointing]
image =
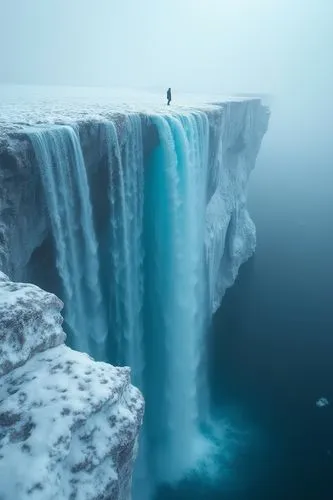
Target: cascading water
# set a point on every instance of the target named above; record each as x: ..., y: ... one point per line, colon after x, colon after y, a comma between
x: 59, y: 156
x: 175, y: 190
x: 126, y: 197
x: 155, y: 277
x: 126, y: 252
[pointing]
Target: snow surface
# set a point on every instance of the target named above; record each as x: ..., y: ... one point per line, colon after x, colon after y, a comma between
x: 68, y: 425
x: 30, y: 105
x: 30, y: 322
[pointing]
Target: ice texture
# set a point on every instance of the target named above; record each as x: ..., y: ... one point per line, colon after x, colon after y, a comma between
x: 68, y: 425
x: 230, y: 231
x: 30, y: 322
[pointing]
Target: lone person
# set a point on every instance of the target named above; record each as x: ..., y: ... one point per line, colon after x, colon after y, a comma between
x: 169, y: 96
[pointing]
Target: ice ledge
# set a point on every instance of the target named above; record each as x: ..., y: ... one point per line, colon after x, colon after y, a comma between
x: 30, y: 322
x: 68, y: 425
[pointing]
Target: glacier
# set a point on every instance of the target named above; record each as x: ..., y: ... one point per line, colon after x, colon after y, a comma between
x: 135, y: 215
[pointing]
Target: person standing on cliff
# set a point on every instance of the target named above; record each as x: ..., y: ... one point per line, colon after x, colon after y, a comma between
x: 169, y: 96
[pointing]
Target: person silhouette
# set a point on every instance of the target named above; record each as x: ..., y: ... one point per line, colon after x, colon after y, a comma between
x: 169, y: 96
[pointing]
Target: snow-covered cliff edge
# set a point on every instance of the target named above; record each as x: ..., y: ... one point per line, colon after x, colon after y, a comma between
x: 236, y: 129
x: 68, y: 425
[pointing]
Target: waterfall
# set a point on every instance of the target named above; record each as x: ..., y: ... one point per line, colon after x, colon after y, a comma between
x: 126, y: 251
x: 126, y: 198
x: 155, y: 276
x: 63, y: 174
x: 175, y: 196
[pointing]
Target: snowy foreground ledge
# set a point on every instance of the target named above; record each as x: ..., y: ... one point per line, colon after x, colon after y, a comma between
x: 68, y: 425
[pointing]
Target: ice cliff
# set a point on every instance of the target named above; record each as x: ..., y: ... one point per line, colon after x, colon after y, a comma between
x: 135, y: 215
x: 68, y: 425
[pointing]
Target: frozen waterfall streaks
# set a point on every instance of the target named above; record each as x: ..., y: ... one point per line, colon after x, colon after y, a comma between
x: 126, y: 197
x: 196, y: 126
x: 159, y: 276
x: 156, y: 277
x: 175, y: 196
x: 63, y: 174
x: 125, y: 163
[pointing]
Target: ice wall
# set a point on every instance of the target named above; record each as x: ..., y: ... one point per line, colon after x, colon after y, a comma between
x: 68, y: 425
x: 230, y: 232
x: 140, y: 221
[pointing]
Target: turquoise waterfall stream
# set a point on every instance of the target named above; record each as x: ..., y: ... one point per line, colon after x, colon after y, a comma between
x: 144, y: 304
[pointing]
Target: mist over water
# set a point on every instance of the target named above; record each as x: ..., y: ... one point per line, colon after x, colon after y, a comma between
x: 271, y: 342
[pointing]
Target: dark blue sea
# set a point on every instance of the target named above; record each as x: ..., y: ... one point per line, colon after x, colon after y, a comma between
x: 271, y: 342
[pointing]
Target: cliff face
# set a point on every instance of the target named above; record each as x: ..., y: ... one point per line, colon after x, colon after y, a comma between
x: 68, y: 425
x: 236, y: 129
x: 230, y: 232
x: 137, y: 218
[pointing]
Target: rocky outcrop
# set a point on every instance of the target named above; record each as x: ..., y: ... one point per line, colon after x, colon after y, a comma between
x: 30, y: 322
x: 23, y: 216
x: 68, y: 425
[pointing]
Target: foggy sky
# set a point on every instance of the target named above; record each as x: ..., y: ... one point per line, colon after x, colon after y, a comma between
x: 198, y: 45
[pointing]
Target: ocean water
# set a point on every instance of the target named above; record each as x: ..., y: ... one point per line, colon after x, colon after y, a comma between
x: 271, y: 342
